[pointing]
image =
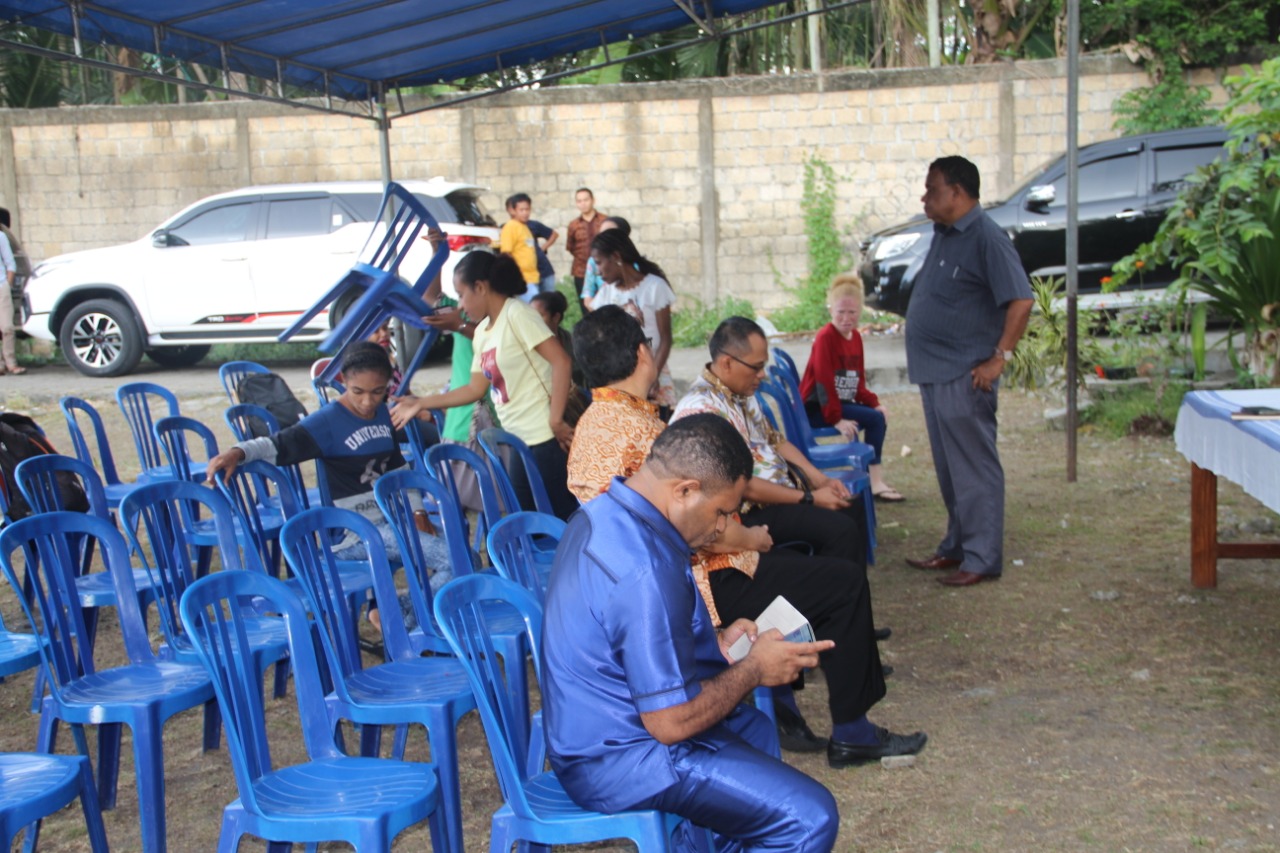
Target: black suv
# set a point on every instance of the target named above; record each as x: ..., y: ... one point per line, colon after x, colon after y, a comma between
x: 1126, y: 186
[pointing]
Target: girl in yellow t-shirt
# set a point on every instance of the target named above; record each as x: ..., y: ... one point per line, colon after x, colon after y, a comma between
x: 522, y: 366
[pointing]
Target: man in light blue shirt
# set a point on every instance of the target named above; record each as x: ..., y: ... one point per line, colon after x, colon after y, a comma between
x: 641, y: 706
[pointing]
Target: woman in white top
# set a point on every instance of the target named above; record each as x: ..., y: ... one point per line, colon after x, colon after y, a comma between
x: 638, y: 286
x: 520, y: 364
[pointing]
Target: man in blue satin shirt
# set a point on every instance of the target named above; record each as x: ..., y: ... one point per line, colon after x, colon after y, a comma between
x: 641, y: 706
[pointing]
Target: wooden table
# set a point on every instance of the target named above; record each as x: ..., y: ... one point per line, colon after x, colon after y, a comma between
x: 1245, y: 452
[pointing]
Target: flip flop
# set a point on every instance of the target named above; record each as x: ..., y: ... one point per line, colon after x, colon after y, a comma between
x: 889, y: 496
x: 17, y: 371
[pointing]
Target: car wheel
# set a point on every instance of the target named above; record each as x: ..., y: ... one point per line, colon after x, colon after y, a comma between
x: 406, y: 339
x: 101, y: 337
x: 184, y: 356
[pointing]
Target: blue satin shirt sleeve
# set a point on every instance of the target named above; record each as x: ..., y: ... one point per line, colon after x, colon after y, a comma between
x: 649, y: 627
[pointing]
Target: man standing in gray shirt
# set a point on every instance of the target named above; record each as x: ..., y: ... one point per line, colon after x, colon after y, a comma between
x: 969, y: 309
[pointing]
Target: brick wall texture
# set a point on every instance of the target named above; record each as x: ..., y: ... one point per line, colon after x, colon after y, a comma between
x: 669, y: 157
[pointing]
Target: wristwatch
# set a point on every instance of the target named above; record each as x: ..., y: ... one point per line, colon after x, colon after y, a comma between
x: 806, y: 497
x: 1004, y: 354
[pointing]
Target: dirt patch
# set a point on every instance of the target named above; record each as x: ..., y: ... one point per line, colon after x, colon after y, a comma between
x: 1091, y: 700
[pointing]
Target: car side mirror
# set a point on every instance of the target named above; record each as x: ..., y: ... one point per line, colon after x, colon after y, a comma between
x: 162, y: 239
x: 1040, y: 196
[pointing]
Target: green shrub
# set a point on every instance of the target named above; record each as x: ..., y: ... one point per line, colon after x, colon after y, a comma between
x: 693, y: 323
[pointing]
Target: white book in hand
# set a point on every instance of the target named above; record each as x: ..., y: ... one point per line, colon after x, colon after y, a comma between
x: 781, y: 615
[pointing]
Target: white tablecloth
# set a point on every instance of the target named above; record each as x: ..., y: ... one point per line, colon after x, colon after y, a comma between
x: 1245, y: 452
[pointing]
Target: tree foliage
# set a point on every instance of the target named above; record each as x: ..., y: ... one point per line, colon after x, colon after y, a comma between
x: 1223, y: 231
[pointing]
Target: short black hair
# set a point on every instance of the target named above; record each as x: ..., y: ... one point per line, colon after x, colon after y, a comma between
x: 733, y: 335
x: 553, y: 301
x: 4, y: 218
x: 513, y: 200
x: 606, y: 344
x: 957, y: 171
x: 702, y: 447
x: 366, y: 357
x: 499, y: 270
x: 586, y: 190
x: 619, y: 224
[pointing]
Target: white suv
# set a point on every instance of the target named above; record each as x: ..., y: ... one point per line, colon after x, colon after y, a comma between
x: 236, y: 267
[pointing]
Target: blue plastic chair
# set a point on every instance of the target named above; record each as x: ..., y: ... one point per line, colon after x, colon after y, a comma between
x: 261, y: 497
x: 37, y: 480
x: 408, y: 688
x: 803, y: 433
x: 402, y: 220
x: 136, y: 400
x: 34, y: 786
x: 163, y: 511
x: 783, y: 359
x: 232, y: 372
x: 73, y: 408
x: 365, y: 802
x: 439, y: 458
x: 504, y: 450
x: 521, y: 546
x: 141, y: 694
x: 19, y: 651
x: 246, y: 421
x: 536, y: 809
x: 398, y: 493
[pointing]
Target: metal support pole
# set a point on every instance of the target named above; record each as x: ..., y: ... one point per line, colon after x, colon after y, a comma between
x: 384, y: 139
x: 1073, y: 227
x: 815, y: 41
x: 934, y: 33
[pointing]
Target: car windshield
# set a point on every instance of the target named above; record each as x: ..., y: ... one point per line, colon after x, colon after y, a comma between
x: 468, y: 209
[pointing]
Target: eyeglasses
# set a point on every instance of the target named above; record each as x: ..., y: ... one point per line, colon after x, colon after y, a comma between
x: 649, y: 343
x: 754, y: 368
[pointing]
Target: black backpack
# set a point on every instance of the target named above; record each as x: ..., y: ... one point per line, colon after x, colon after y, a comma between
x: 270, y: 392
x: 21, y: 438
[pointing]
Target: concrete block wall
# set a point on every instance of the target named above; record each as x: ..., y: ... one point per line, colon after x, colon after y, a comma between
x: 709, y: 172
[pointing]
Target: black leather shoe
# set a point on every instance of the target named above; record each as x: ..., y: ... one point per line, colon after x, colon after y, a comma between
x: 794, y: 733
x: 886, y: 670
x: 883, y: 634
x: 887, y: 743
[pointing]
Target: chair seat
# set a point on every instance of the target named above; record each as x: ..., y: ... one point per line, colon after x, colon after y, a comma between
x: 504, y: 624
x: 18, y: 653
x: 26, y: 775
x: 345, y: 788
x: 96, y: 589
x: 565, y: 822
x: 417, y: 680
x: 263, y: 633
x: 135, y: 686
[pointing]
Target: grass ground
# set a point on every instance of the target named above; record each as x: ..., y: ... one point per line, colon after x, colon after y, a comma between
x: 1089, y: 701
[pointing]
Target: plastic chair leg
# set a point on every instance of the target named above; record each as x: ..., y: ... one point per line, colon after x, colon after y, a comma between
x: 108, y: 763
x: 92, y: 811
x: 212, y: 725
x: 282, y: 678
x: 148, y: 763
x: 443, y: 734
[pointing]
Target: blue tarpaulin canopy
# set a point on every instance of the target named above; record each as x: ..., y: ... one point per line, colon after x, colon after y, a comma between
x: 363, y: 49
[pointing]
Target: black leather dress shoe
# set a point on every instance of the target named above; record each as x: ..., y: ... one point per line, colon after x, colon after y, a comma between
x: 887, y: 743
x: 794, y: 733
x: 883, y: 634
x: 886, y: 670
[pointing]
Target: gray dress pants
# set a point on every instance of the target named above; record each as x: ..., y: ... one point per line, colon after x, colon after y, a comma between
x: 961, y: 421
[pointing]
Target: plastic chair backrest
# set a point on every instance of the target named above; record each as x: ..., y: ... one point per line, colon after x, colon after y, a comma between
x: 326, y: 390
x: 504, y: 450
x: 252, y: 487
x: 464, y: 621
x: 49, y: 543
x: 217, y: 628
x: 233, y: 371
x: 171, y: 435
x: 439, y: 457
x: 105, y: 463
x: 240, y: 417
x: 798, y: 420
x: 773, y: 402
x: 163, y: 510
x: 514, y: 550
x: 134, y: 399
x: 783, y: 360
x: 399, y: 494
x: 305, y: 541
x: 37, y: 480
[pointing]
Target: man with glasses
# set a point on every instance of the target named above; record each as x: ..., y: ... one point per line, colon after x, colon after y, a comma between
x: 819, y: 512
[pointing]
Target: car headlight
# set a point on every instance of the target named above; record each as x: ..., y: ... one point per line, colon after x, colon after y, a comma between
x: 895, y: 245
x: 46, y: 267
